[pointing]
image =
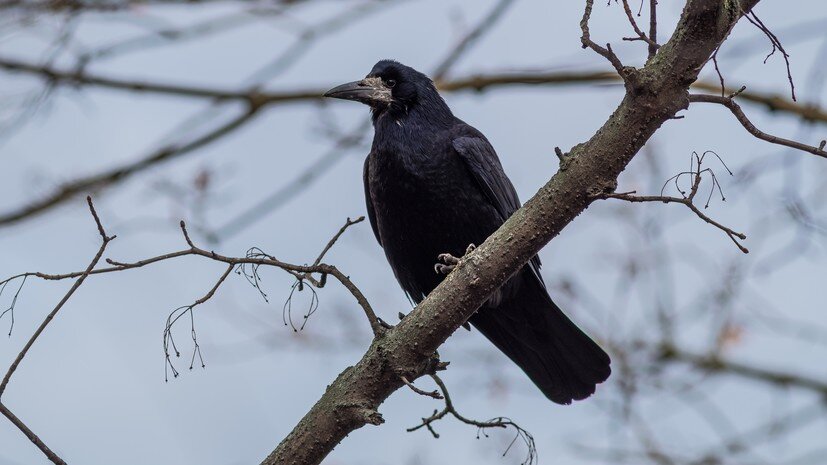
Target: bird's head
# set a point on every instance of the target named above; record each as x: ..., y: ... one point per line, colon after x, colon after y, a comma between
x: 390, y: 87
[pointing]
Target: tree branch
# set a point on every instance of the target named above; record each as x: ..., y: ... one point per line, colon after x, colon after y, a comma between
x: 498, y: 422
x: 53, y: 457
x: 715, y: 363
x: 20, y: 356
x: 587, y: 42
x: 120, y: 173
x: 688, y: 200
x: 773, y: 102
x: 729, y: 102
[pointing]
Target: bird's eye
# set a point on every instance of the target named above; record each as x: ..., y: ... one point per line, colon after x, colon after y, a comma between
x: 391, y: 82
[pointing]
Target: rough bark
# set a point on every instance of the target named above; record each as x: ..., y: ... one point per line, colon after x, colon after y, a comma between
x: 654, y: 94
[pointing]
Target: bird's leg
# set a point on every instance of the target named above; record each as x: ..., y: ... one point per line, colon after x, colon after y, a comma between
x: 447, y: 262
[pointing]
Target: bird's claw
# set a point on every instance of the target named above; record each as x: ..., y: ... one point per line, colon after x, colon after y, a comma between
x: 447, y: 262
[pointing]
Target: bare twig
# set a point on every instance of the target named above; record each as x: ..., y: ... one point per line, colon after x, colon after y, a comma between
x: 120, y: 173
x: 688, y: 200
x: 736, y: 110
x: 482, y: 426
x: 81, y: 78
x: 475, y: 82
x: 175, y: 315
x: 432, y: 394
x: 587, y: 42
x: 775, y: 103
x: 81, y: 278
x: 776, y: 46
x: 653, y: 28
x: 348, y: 223
x: 640, y: 34
x: 105, y: 239
x: 16, y: 421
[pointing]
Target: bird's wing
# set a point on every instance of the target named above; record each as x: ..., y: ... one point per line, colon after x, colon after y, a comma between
x: 484, y: 165
x: 369, y: 201
x: 482, y: 162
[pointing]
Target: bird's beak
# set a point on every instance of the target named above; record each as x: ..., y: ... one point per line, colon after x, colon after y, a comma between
x: 371, y: 91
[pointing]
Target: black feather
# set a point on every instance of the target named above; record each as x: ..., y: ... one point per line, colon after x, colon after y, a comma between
x: 434, y: 184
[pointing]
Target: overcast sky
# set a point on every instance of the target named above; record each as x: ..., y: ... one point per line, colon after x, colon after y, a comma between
x: 93, y: 386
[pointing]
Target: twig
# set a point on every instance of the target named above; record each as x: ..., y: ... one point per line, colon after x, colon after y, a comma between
x: 54, y: 458
x: 348, y: 223
x: 81, y: 278
x: 640, y: 34
x: 175, y: 315
x: 687, y: 200
x: 498, y: 422
x: 105, y: 239
x: 433, y: 394
x: 587, y: 42
x: 120, y: 173
x: 736, y: 110
x: 81, y: 78
x: 776, y: 45
x: 653, y: 28
x: 305, y: 272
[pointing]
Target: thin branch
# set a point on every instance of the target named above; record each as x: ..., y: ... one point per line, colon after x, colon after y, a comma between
x: 53, y: 457
x: 105, y: 239
x: 348, y: 223
x: 179, y: 312
x: 587, y: 42
x: 482, y: 426
x: 81, y: 78
x: 774, y: 102
x: 653, y: 28
x: 432, y: 394
x: 734, y: 235
x: 688, y: 200
x: 81, y: 278
x: 716, y: 364
x: 736, y: 110
x: 120, y: 173
x: 640, y: 34
x: 776, y: 46
x: 304, y: 272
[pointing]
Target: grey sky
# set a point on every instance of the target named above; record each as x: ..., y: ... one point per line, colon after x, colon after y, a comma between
x: 93, y: 387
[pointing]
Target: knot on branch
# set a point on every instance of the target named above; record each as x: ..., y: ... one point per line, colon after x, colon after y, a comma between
x: 359, y: 413
x: 565, y: 158
x: 602, y: 188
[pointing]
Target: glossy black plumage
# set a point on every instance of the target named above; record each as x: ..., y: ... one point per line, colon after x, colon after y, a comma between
x: 434, y: 184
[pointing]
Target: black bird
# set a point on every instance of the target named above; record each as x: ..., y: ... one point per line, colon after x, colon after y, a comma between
x: 434, y: 185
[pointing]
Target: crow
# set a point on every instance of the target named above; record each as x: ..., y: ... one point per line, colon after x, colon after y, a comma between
x: 434, y: 185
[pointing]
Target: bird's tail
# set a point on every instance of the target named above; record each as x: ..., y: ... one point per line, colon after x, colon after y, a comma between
x: 534, y: 333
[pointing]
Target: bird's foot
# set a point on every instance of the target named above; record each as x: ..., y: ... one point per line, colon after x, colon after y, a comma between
x: 447, y: 262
